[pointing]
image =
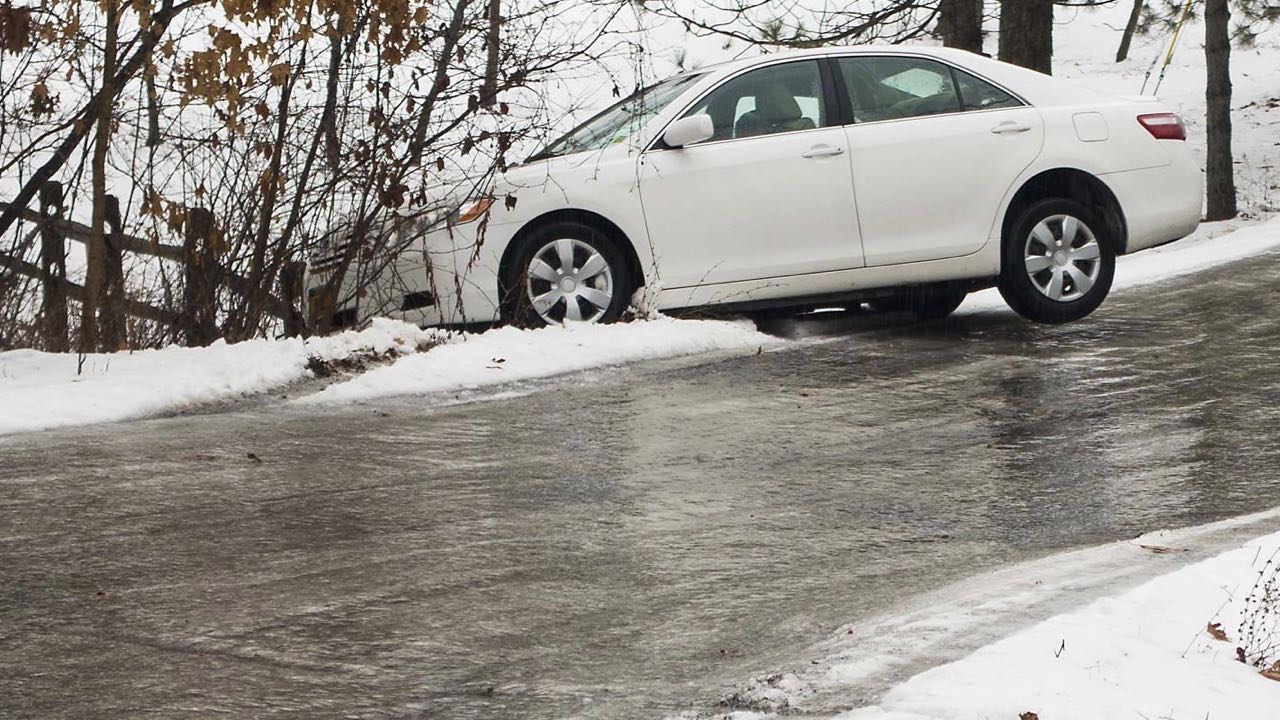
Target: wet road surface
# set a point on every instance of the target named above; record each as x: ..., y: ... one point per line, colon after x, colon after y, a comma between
x: 627, y: 543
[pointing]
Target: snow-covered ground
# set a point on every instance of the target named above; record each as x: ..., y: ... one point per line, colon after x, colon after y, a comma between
x: 40, y: 390
x: 46, y: 390
x: 1146, y: 653
x: 1139, y: 649
x: 510, y: 355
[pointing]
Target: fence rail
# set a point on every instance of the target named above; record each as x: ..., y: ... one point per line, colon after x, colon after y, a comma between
x: 203, y: 274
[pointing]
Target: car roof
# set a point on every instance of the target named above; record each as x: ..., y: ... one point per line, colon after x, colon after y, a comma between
x: 878, y: 49
x: 1037, y: 88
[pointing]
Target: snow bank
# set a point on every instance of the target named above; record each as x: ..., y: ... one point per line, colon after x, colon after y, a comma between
x: 43, y: 390
x: 511, y: 354
x: 1143, y: 653
x: 40, y: 390
x: 1071, y: 659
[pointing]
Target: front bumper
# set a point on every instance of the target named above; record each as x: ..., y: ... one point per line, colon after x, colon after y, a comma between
x: 445, y: 277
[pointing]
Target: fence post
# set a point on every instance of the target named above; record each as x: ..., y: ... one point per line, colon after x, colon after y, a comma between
x: 199, y: 311
x: 111, y: 322
x: 53, y: 271
x: 291, y: 278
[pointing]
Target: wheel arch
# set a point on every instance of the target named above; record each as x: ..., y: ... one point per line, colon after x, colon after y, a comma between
x: 635, y: 269
x: 1072, y: 184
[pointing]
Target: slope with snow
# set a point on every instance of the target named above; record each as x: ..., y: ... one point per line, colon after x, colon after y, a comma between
x: 46, y: 390
x: 1146, y: 653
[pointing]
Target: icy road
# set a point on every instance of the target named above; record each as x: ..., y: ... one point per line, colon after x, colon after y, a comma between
x: 631, y: 543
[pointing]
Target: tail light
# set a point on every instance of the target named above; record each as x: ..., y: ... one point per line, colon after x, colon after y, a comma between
x: 1164, y: 126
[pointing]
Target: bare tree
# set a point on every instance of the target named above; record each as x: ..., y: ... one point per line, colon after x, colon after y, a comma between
x: 795, y: 23
x: 295, y: 128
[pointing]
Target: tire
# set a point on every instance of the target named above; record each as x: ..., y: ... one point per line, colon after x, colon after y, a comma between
x: 540, y: 290
x: 1049, y: 278
x: 926, y: 303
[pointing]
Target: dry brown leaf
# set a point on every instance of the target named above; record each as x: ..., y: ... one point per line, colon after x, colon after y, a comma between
x: 280, y: 73
x: 1028, y: 715
x: 1215, y: 631
x: 1273, y: 672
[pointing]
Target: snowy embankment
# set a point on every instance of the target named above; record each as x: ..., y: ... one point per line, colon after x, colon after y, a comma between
x: 45, y: 390
x: 1166, y: 649
x: 40, y: 390
x: 1086, y: 634
x: 511, y: 355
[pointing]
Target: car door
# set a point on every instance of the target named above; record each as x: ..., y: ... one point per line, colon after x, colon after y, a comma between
x: 934, y: 150
x: 770, y: 195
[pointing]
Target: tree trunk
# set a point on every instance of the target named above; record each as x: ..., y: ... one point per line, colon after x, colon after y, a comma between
x: 960, y: 24
x: 1219, y: 170
x: 96, y: 250
x: 1129, y: 29
x: 1026, y: 33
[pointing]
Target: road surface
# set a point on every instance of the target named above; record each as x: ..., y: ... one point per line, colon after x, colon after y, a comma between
x: 622, y: 543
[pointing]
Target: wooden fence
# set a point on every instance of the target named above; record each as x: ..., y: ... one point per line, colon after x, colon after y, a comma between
x: 195, y: 322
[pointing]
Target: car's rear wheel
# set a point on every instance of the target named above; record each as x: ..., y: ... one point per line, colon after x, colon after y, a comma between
x: 568, y: 272
x: 1057, y: 263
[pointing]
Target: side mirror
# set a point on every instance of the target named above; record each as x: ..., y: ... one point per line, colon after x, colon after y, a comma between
x: 689, y: 130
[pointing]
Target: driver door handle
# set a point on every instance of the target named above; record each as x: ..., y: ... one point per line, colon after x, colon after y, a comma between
x: 823, y: 151
x: 1006, y: 128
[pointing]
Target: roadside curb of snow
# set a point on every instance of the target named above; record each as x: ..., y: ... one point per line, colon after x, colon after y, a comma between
x: 931, y: 635
x: 502, y: 356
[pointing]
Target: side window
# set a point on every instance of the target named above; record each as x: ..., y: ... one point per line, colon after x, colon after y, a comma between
x: 893, y: 88
x: 976, y: 94
x: 775, y: 99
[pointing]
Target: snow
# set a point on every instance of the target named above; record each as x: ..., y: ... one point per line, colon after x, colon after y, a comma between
x: 995, y: 641
x: 511, y: 354
x: 1142, y: 653
x: 40, y: 390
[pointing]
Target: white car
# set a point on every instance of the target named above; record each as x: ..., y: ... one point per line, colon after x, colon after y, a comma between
x: 900, y: 177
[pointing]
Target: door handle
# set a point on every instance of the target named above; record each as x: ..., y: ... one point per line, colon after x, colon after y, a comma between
x: 1006, y: 128
x: 823, y: 151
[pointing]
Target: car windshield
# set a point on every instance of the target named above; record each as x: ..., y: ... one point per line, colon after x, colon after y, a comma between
x: 620, y: 121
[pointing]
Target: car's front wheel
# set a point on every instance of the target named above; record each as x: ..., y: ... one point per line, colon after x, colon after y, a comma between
x: 568, y: 272
x: 1057, y: 263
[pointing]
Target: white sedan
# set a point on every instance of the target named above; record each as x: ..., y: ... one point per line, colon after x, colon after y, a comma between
x: 897, y: 177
